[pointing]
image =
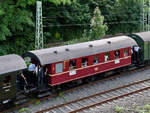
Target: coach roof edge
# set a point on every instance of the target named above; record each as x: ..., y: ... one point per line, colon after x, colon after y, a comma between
x: 144, y: 35
x: 56, y: 54
x: 11, y: 63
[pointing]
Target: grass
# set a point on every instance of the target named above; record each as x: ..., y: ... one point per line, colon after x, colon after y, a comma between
x: 62, y: 95
x: 144, y: 109
x: 37, y: 103
x: 119, y: 109
x: 27, y: 110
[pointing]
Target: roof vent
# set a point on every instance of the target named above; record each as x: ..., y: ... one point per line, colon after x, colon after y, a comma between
x: 109, y: 42
x: 55, y: 52
x: 67, y: 49
x: 90, y: 45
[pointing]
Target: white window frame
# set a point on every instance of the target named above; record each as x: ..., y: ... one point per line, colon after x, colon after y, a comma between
x: 126, y: 50
x: 59, y: 68
x: 107, y: 57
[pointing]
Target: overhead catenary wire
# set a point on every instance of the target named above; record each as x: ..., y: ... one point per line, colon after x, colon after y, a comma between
x: 69, y: 25
x: 113, y: 15
x: 105, y: 15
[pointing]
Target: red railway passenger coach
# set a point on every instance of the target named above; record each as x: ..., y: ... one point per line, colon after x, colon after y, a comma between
x: 72, y: 62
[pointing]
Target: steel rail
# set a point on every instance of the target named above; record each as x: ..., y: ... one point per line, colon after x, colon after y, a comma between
x: 90, y: 96
x: 77, y: 87
x: 111, y: 99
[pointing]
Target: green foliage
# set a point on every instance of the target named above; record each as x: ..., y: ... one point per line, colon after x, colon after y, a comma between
x: 25, y: 3
x: 77, y: 13
x: 58, y: 2
x: 141, y: 109
x: 122, y: 16
x: 146, y: 108
x: 37, y: 103
x: 119, y: 109
x: 27, y: 62
x: 62, y: 95
x: 1, y: 12
x: 97, y: 27
x: 27, y: 110
x: 74, y: 41
x: 13, y: 19
x: 3, y: 50
x: 17, y: 28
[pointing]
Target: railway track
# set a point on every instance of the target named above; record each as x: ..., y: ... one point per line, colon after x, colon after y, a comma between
x: 78, y: 87
x: 99, y: 98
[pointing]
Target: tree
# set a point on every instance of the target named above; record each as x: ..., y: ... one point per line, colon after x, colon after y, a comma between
x: 121, y: 16
x: 128, y: 15
x: 79, y: 12
x: 97, y: 26
x: 65, y: 20
x: 17, y: 19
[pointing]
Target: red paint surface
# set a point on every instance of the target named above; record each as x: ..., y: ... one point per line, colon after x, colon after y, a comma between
x: 90, y: 70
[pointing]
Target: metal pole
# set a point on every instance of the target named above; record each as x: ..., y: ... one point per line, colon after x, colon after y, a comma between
x: 143, y: 21
x: 39, y: 26
x: 149, y: 16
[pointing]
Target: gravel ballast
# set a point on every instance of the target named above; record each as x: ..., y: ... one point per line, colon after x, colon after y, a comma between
x: 91, y: 89
x: 130, y: 104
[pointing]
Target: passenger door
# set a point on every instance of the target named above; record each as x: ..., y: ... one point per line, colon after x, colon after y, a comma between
x: 9, y: 87
x: 146, y: 51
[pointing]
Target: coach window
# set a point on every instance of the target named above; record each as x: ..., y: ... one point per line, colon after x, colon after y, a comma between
x: 84, y: 62
x: 59, y: 67
x: 72, y: 64
x: 96, y: 60
x: 107, y: 57
x: 117, y: 54
x: 6, y: 82
x: 126, y: 52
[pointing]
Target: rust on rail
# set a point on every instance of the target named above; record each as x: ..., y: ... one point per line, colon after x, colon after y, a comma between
x: 82, y: 86
x: 111, y: 99
x: 110, y: 90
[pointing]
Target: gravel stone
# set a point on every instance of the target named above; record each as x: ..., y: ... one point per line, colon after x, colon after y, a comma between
x: 132, y: 102
x: 92, y: 89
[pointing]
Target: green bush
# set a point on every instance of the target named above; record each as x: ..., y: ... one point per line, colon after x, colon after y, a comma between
x: 119, y: 109
x: 27, y: 110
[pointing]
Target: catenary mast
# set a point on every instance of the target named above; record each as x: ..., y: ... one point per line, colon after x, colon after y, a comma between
x: 145, y: 15
x: 149, y: 16
x: 39, y: 26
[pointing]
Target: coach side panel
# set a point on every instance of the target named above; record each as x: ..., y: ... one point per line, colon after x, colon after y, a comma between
x: 61, y: 72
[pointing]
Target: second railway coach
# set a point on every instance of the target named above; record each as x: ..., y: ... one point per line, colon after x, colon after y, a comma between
x: 143, y: 41
x: 10, y: 65
x: 72, y: 62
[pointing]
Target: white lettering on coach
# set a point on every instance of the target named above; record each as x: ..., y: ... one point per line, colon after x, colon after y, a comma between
x: 117, y: 61
x: 72, y: 72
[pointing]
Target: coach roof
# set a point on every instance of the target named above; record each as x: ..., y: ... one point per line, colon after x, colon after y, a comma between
x: 56, y: 54
x: 144, y: 35
x: 11, y: 63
